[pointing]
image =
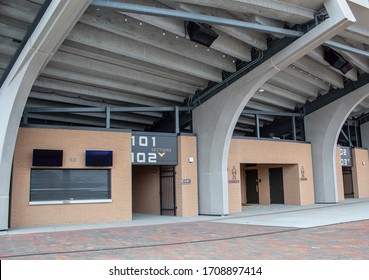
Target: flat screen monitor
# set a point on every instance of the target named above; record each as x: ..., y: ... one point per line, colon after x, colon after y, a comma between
x: 99, y: 158
x: 47, y: 157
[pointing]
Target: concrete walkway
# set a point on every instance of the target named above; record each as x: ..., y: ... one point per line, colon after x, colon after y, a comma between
x: 265, y: 215
x: 303, y: 216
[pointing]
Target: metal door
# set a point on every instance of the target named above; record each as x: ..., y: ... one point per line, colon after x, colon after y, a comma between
x: 252, y: 188
x: 276, y: 185
x: 167, y: 191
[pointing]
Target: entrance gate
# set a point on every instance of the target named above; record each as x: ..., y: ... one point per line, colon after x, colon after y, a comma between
x: 167, y: 191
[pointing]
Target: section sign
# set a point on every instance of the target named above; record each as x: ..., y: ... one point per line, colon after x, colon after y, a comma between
x: 346, y: 158
x: 154, y: 149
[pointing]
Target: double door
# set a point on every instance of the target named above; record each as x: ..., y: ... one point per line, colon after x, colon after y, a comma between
x: 275, y: 183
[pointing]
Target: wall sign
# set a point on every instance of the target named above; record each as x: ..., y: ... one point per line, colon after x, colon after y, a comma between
x: 346, y: 158
x: 154, y: 149
x: 186, y: 182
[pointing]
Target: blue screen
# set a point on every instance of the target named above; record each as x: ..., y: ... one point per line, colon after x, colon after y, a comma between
x: 99, y: 158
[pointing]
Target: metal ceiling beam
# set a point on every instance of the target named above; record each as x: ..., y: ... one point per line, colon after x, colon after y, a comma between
x: 270, y: 113
x: 146, y: 10
x: 344, y: 47
x: 103, y: 109
x: 335, y: 94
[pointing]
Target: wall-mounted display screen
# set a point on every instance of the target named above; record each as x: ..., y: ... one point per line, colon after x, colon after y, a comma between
x: 47, y: 157
x: 99, y: 158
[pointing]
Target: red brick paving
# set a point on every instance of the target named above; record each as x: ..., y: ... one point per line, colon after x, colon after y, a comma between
x: 194, y: 240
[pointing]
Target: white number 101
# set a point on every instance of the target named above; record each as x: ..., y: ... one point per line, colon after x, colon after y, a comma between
x: 143, y: 141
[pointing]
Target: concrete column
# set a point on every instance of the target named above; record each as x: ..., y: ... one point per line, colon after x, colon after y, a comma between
x: 364, y: 129
x: 214, y: 121
x: 322, y: 129
x: 55, y: 25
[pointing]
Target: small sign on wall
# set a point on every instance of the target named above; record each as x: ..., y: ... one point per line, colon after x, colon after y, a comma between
x: 234, y: 176
x: 346, y: 157
x: 186, y: 182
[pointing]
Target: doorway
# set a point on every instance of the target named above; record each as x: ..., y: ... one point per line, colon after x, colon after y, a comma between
x: 252, y: 187
x: 347, y: 182
x: 276, y: 185
x: 153, y: 190
x: 167, y: 191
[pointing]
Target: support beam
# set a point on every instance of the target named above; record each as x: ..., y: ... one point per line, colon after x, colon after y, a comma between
x: 224, y: 43
x: 107, y: 83
x: 52, y: 29
x: 147, y: 10
x: 215, y: 120
x: 272, y: 9
x: 317, y: 69
x: 322, y: 129
x: 153, y: 36
x: 111, y: 70
x: 91, y: 36
x: 123, y: 61
x: 77, y: 89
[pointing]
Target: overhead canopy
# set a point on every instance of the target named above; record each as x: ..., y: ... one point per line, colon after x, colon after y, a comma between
x: 134, y: 58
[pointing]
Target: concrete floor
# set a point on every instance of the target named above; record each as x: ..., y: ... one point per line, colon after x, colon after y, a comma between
x: 265, y: 215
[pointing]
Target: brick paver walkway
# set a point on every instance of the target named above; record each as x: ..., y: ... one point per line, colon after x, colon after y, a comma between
x: 194, y: 240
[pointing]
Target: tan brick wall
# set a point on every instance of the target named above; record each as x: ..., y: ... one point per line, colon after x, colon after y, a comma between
x: 234, y: 187
x: 339, y: 175
x: 73, y: 143
x: 146, y: 189
x: 187, y: 194
x: 291, y: 181
x: 292, y: 156
x: 264, y: 189
x: 360, y: 172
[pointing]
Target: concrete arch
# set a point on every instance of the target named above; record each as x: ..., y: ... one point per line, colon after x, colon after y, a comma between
x: 214, y: 121
x: 54, y: 26
x: 322, y: 129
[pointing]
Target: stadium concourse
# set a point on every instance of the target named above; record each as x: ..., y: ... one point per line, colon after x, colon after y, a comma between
x: 175, y: 110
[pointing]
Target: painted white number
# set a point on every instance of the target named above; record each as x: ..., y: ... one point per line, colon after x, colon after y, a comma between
x: 141, y: 157
x: 142, y: 141
x: 152, y: 157
x: 345, y: 162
